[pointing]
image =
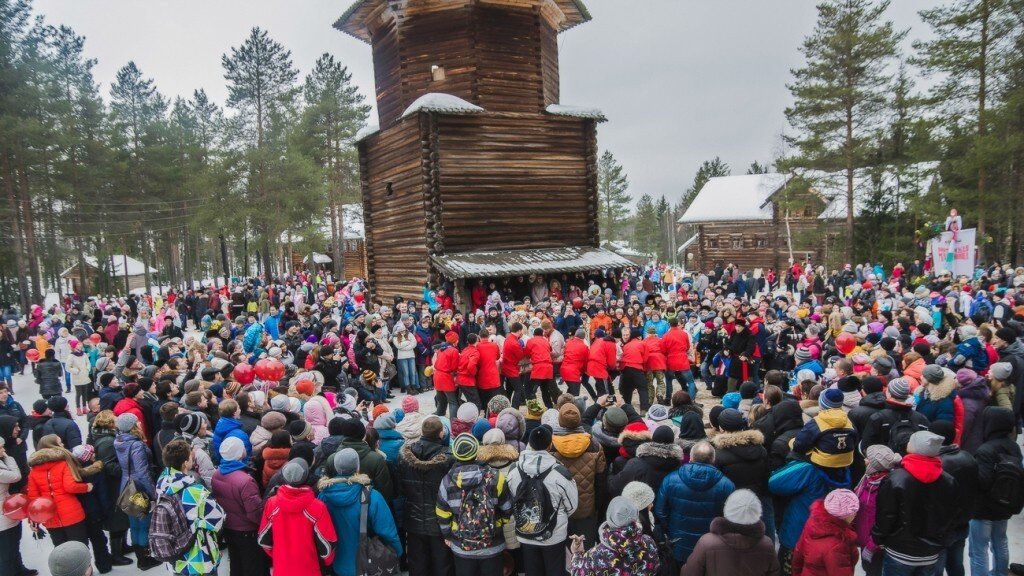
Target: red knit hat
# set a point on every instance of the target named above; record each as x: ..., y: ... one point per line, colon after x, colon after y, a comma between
x: 451, y: 337
x: 378, y: 410
x: 305, y: 387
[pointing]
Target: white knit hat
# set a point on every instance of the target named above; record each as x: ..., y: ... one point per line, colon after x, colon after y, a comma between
x: 639, y: 493
x: 743, y: 507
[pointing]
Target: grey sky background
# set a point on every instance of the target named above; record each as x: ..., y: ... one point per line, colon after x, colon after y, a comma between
x: 680, y: 81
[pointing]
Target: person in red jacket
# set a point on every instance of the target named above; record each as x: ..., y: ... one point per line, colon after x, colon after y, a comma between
x: 56, y: 475
x: 296, y: 529
x: 574, y: 364
x: 488, y: 380
x: 542, y: 375
x: 446, y: 365
x: 130, y: 404
x: 634, y: 356
x: 828, y: 544
x: 654, y: 366
x: 676, y: 346
x: 512, y: 354
x: 602, y: 358
x: 469, y: 364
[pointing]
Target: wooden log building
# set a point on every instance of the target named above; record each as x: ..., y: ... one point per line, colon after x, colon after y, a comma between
x: 755, y: 221
x: 475, y: 169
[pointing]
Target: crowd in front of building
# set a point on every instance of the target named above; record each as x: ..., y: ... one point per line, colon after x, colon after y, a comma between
x: 643, y: 422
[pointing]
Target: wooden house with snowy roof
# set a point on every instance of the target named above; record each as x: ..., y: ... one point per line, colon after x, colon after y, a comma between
x: 475, y: 170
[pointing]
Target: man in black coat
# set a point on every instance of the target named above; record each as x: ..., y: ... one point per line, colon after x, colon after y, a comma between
x: 872, y: 402
x: 988, y: 524
x: 49, y: 375
x: 1008, y: 344
x: 61, y: 423
x: 896, y: 419
x: 961, y: 465
x: 421, y: 467
x: 916, y: 509
x: 653, y: 461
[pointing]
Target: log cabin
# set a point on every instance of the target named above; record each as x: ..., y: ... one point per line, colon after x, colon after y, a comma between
x: 755, y: 221
x: 474, y: 170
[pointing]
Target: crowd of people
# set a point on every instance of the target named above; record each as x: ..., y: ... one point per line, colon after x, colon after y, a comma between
x: 843, y: 419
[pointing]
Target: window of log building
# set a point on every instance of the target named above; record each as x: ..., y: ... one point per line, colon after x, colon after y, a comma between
x: 712, y: 242
x: 760, y: 242
x: 737, y: 242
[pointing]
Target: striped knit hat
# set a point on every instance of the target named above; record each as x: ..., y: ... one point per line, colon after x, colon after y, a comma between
x: 465, y: 447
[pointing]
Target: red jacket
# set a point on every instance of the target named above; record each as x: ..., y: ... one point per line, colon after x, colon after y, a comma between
x: 446, y: 364
x: 469, y: 363
x: 574, y: 360
x: 655, y: 356
x: 539, y: 350
x: 487, y: 376
x: 512, y: 353
x: 297, y: 532
x: 676, y: 345
x: 827, y: 546
x: 634, y: 354
x: 51, y: 478
x: 601, y: 358
x: 132, y: 406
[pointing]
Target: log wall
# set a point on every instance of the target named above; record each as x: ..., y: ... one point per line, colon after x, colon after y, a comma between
x: 393, y: 210
x: 516, y: 181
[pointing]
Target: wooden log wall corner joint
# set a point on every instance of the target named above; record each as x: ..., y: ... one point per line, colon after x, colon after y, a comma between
x: 591, y: 182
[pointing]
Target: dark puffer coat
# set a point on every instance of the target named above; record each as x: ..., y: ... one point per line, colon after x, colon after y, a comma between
x: 1000, y: 437
x: 689, y: 499
x: 651, y: 464
x: 421, y: 467
x: 742, y: 458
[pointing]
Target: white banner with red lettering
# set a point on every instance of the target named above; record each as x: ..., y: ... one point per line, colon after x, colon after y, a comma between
x: 955, y: 252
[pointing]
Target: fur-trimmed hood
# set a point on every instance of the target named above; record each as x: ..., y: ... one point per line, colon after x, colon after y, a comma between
x: 636, y: 436
x: 602, y: 437
x: 941, y: 390
x: 656, y: 450
x: 735, y: 439
x: 497, y: 455
x: 361, y: 479
x: 439, y: 457
x: 44, y: 455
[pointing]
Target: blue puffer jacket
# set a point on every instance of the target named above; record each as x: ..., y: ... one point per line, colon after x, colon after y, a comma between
x: 343, y: 497
x: 226, y: 428
x: 805, y: 483
x: 689, y: 499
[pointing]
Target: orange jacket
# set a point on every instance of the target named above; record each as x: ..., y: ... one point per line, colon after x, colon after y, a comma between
x: 600, y: 321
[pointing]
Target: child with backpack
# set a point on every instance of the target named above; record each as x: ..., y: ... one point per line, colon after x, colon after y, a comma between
x: 185, y: 518
x: 544, y: 495
x: 473, y: 505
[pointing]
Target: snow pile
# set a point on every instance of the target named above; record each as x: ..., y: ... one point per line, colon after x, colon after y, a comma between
x: 443, y: 103
x: 576, y: 111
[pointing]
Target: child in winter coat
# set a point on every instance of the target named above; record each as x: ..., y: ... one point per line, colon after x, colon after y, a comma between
x: 879, y: 461
x: 828, y: 544
x: 622, y: 547
x: 296, y: 530
x: 55, y: 475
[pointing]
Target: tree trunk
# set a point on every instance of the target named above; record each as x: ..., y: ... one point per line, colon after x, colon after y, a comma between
x: 16, y: 233
x: 982, y: 128
x: 30, y: 240
x: 849, y: 185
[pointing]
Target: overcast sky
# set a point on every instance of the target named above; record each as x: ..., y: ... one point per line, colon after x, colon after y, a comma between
x: 680, y: 81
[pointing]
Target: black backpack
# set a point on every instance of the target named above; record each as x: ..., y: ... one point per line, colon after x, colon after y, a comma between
x: 899, y: 434
x: 534, y: 515
x: 1007, y: 491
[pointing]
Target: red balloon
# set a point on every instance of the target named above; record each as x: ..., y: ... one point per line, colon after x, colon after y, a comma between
x: 263, y: 369
x: 244, y: 373
x: 277, y: 370
x: 41, y: 510
x: 577, y: 303
x: 846, y: 342
x: 32, y: 355
x: 15, y: 507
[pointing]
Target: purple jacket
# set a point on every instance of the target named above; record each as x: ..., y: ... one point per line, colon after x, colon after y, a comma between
x: 239, y: 496
x: 975, y: 397
x: 867, y: 493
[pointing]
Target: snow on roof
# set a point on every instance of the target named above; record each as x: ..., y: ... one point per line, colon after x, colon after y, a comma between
x: 536, y: 261
x: 576, y: 111
x: 910, y: 181
x: 443, y: 103
x: 686, y: 244
x: 735, y: 198
x: 135, y: 268
x: 367, y: 131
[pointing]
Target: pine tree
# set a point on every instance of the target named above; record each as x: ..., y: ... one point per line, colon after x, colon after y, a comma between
x: 646, y: 227
x: 972, y: 40
x: 666, y: 229
x: 841, y: 92
x: 261, y: 88
x: 334, y: 112
x: 613, y: 195
x: 757, y: 168
x: 708, y: 169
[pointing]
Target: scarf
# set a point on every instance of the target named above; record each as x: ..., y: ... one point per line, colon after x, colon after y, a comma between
x: 228, y: 466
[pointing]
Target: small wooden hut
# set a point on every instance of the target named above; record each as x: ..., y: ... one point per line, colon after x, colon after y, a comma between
x: 475, y: 169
